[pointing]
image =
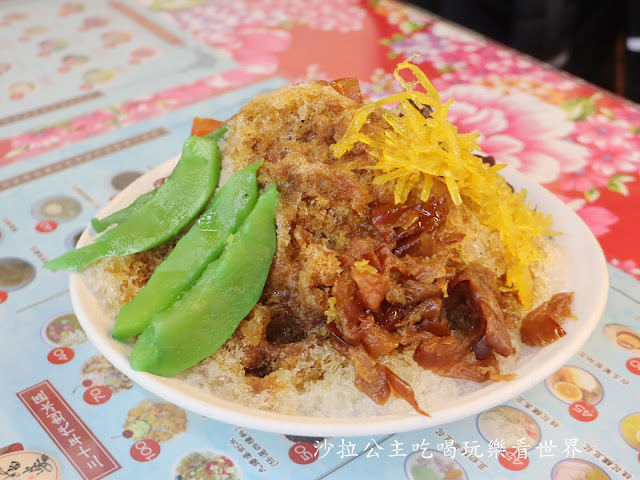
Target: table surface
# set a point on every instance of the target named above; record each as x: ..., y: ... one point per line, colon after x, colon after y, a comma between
x: 93, y: 94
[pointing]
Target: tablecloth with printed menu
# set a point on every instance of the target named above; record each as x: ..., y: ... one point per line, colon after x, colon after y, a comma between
x: 95, y: 93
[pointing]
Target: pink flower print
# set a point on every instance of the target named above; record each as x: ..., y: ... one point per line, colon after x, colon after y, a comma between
x: 257, y: 47
x: 627, y: 266
x: 34, y: 142
x: 407, y: 19
x: 601, y: 131
x: 94, y: 123
x: 474, y: 61
x: 517, y: 129
x: 138, y: 110
x: 629, y: 115
x: 463, y: 58
x: 599, y: 219
x: 582, y: 180
x: 89, y: 120
x: 211, y: 22
x: 615, y: 156
x: 424, y: 43
x: 230, y: 78
x: 380, y: 85
x: 313, y: 74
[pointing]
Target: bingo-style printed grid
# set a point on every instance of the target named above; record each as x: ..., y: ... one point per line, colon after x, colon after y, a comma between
x: 57, y: 55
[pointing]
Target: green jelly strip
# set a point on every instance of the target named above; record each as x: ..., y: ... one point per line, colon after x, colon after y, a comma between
x: 202, y: 244
x: 218, y: 133
x: 101, y: 224
x: 174, y: 205
x: 207, y: 314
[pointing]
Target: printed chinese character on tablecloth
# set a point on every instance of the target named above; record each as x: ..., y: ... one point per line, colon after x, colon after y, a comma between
x: 69, y: 433
x: 321, y: 446
x: 83, y: 451
x: 74, y: 440
x: 372, y: 449
x: 447, y: 448
x: 423, y: 447
x: 65, y: 431
x: 346, y: 449
x: 496, y: 446
x: 397, y: 449
x: 472, y: 448
x: 545, y: 448
x: 520, y: 448
x: 571, y: 447
x: 94, y: 463
x: 39, y: 397
x: 47, y: 407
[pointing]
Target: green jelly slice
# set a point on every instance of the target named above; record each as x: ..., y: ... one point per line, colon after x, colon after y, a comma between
x: 206, y: 315
x: 173, y: 206
x: 202, y: 244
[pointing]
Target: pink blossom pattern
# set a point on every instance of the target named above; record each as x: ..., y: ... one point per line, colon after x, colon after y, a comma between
x: 252, y: 32
x: 613, y: 157
x: 257, y: 47
x: 215, y: 19
x: 39, y: 141
x: 629, y: 115
x: 627, y: 266
x: 614, y: 149
x: 422, y: 42
x: 518, y: 129
x: 583, y: 180
x: 598, y: 218
x: 379, y: 85
x: 584, y: 155
x: 407, y: 20
x: 464, y: 57
x: 602, y: 131
x: 477, y: 60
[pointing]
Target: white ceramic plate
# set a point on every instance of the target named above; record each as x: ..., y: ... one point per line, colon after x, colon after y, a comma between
x: 587, y: 278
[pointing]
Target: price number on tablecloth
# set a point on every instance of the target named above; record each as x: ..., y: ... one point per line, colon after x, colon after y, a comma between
x: 60, y: 355
x: 633, y: 365
x: 303, y: 453
x: 514, y: 459
x: 583, y: 411
x: 97, y: 395
x: 145, y: 450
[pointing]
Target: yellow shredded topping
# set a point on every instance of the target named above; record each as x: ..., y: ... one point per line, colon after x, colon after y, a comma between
x: 415, y: 151
x: 331, y: 313
x: 363, y: 265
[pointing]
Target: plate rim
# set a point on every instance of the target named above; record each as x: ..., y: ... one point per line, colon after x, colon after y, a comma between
x: 208, y: 405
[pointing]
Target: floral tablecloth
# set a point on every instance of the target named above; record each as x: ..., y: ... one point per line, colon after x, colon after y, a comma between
x: 95, y: 93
